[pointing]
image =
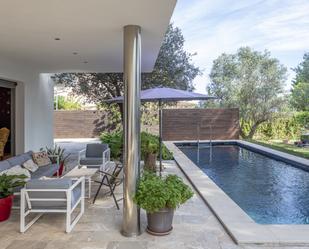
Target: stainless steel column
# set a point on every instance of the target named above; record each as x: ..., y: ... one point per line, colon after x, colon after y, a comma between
x: 132, y: 82
x: 160, y: 135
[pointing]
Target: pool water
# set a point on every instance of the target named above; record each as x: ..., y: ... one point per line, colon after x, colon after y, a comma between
x: 269, y: 191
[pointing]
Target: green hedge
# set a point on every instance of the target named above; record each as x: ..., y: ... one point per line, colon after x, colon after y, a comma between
x: 115, y: 142
x: 289, y: 127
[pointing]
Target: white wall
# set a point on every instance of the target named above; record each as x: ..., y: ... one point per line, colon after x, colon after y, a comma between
x: 34, y: 105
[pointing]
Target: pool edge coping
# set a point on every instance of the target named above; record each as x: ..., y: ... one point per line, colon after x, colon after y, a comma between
x: 241, y: 227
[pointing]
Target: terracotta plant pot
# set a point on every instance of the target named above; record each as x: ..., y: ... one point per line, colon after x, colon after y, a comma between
x: 150, y: 162
x: 60, y: 170
x: 6, y: 207
x: 160, y: 223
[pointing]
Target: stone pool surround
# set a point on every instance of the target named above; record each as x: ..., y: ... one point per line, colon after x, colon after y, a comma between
x: 240, y: 226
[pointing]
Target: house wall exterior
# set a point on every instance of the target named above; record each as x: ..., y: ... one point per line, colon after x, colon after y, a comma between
x: 34, y: 105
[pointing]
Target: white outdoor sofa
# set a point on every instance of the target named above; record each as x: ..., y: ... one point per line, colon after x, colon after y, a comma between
x: 52, y: 196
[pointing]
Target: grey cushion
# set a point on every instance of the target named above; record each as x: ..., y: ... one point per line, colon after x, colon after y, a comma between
x: 95, y: 150
x: 91, y: 161
x: 64, y: 183
x: 48, y: 170
x: 20, y: 159
x: 4, y: 165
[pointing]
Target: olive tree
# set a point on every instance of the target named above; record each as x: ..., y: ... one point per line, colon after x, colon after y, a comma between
x: 251, y: 81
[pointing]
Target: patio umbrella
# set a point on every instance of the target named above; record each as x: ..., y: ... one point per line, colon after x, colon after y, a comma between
x: 161, y: 95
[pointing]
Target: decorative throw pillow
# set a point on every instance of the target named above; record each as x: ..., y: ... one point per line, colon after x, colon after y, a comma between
x: 41, y: 158
x: 30, y: 165
x: 17, y: 170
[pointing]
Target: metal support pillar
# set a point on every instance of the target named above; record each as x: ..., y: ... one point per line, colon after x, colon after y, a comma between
x: 160, y: 136
x: 132, y: 83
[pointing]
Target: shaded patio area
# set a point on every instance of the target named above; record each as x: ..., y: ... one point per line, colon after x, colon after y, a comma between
x: 195, y: 226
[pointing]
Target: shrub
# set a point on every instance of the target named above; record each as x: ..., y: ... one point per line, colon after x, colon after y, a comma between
x: 67, y: 104
x: 154, y: 192
x: 149, y: 142
x: 302, y: 119
x: 287, y: 127
x: 115, y: 141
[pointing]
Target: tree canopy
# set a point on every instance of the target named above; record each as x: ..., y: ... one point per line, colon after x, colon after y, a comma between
x: 302, y: 70
x: 251, y: 81
x: 300, y: 96
x: 173, y: 68
x: 300, y: 89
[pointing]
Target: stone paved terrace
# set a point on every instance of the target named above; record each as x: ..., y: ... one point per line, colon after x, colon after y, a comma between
x: 195, y: 227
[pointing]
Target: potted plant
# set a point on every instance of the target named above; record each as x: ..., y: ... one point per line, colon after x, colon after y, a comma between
x: 149, y: 150
x: 7, y: 185
x: 55, y: 153
x: 160, y: 196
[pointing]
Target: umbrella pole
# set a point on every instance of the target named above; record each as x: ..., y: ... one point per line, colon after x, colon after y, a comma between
x: 160, y: 135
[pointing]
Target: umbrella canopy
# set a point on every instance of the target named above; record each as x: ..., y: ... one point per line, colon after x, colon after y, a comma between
x: 165, y: 94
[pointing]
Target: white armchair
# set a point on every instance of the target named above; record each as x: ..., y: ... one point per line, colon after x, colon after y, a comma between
x: 52, y: 196
x: 95, y: 156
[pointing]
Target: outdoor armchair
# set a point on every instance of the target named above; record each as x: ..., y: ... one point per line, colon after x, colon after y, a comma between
x: 94, y: 156
x: 52, y: 196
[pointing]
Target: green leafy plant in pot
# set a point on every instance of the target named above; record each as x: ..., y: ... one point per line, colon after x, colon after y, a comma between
x: 149, y: 150
x: 160, y: 196
x: 57, y: 155
x: 7, y: 185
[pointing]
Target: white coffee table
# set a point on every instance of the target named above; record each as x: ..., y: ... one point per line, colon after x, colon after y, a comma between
x: 82, y: 172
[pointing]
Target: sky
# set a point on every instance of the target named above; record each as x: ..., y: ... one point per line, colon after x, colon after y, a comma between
x: 212, y: 27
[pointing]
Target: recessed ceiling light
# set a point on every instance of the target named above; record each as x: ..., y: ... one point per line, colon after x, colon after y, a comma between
x: 57, y: 39
x: 85, y: 62
x: 75, y: 53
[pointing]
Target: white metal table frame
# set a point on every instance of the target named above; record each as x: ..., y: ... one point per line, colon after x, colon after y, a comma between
x: 82, y: 172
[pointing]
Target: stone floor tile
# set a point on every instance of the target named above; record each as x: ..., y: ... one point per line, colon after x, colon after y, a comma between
x: 27, y: 244
x: 127, y: 245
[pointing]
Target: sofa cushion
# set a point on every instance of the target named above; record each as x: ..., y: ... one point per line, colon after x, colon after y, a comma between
x: 48, y: 170
x: 30, y: 165
x: 41, y: 158
x: 4, y: 165
x: 64, y: 183
x: 17, y: 170
x: 95, y: 150
x: 19, y: 159
x: 91, y: 161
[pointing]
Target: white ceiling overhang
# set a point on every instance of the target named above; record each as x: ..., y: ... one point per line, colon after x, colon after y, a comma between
x: 90, y: 32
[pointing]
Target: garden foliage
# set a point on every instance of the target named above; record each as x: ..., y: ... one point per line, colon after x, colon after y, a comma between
x: 155, y: 192
x: 287, y: 127
x: 149, y: 143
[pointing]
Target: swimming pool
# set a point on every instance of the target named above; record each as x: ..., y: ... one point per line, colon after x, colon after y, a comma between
x: 270, y: 191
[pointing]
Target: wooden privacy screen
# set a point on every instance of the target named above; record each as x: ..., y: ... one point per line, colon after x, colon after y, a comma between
x: 79, y: 124
x: 185, y: 124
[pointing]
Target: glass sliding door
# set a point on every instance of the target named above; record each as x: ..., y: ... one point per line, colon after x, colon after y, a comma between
x: 7, y: 114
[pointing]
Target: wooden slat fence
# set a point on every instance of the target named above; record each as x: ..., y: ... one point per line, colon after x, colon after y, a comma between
x: 203, y: 124
x: 79, y: 124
